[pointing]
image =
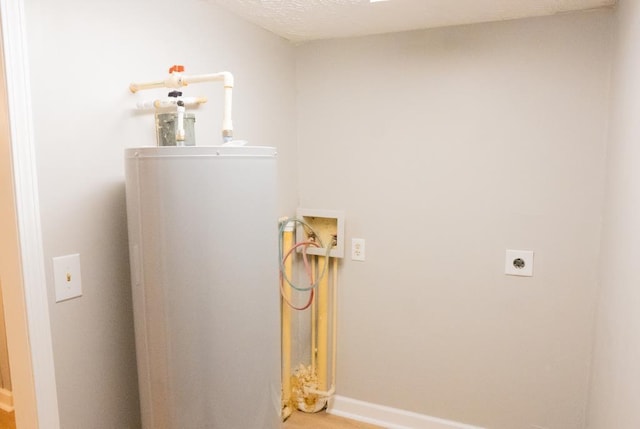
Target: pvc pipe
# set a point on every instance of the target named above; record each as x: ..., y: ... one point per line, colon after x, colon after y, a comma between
x: 322, y: 393
x: 180, y: 126
x: 334, y: 340
x: 288, y: 238
x: 169, y: 102
x: 227, y: 125
x: 323, y: 330
x: 314, y: 313
x: 135, y: 87
x: 178, y: 80
x: 228, y: 81
x: 334, y: 326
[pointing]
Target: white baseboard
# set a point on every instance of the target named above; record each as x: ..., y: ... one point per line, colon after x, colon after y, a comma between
x: 6, y: 400
x: 387, y: 417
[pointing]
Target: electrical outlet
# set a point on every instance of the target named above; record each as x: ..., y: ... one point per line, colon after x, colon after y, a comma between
x: 519, y: 263
x: 357, y: 249
x: 66, y: 275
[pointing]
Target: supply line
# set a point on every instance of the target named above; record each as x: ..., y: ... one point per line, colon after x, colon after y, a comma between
x: 313, y: 285
x: 304, y: 246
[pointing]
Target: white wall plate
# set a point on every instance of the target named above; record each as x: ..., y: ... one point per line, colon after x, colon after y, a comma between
x: 66, y: 274
x: 519, y: 263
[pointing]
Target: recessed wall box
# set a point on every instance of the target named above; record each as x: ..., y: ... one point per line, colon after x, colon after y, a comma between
x: 328, y: 224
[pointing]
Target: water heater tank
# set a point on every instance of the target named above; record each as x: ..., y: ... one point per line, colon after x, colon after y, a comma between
x: 203, y: 248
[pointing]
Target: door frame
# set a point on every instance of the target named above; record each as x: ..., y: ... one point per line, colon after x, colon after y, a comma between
x: 36, y: 323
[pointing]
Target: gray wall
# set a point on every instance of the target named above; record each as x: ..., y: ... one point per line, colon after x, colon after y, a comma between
x: 615, y: 392
x: 445, y: 147
x: 83, y: 55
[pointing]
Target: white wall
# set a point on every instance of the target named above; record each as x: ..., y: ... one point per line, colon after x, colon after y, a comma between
x: 445, y: 147
x: 83, y: 55
x: 615, y: 392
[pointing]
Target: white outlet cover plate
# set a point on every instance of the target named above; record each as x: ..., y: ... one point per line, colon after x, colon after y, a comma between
x: 524, y: 265
x: 357, y: 249
x: 66, y: 275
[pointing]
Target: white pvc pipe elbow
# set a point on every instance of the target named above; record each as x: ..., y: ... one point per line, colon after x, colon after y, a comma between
x: 228, y: 82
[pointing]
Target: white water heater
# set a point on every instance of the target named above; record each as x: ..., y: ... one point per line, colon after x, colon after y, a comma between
x: 203, y: 249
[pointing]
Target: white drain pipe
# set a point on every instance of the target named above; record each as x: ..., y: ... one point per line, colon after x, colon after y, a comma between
x: 177, y: 79
x: 326, y: 394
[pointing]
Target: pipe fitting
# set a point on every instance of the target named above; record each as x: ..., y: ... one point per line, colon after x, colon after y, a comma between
x: 177, y: 79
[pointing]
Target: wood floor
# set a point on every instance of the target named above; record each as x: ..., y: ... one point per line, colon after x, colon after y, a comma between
x: 7, y: 420
x: 323, y: 420
x: 297, y: 420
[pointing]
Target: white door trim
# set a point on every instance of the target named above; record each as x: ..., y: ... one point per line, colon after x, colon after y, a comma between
x: 28, y: 212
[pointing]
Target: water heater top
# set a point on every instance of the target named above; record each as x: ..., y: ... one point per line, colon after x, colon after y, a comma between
x: 201, y: 151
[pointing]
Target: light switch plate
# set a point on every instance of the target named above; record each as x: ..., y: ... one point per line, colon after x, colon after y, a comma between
x: 519, y: 263
x: 66, y: 275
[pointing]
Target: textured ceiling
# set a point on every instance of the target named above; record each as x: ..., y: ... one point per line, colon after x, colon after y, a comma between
x: 302, y: 20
